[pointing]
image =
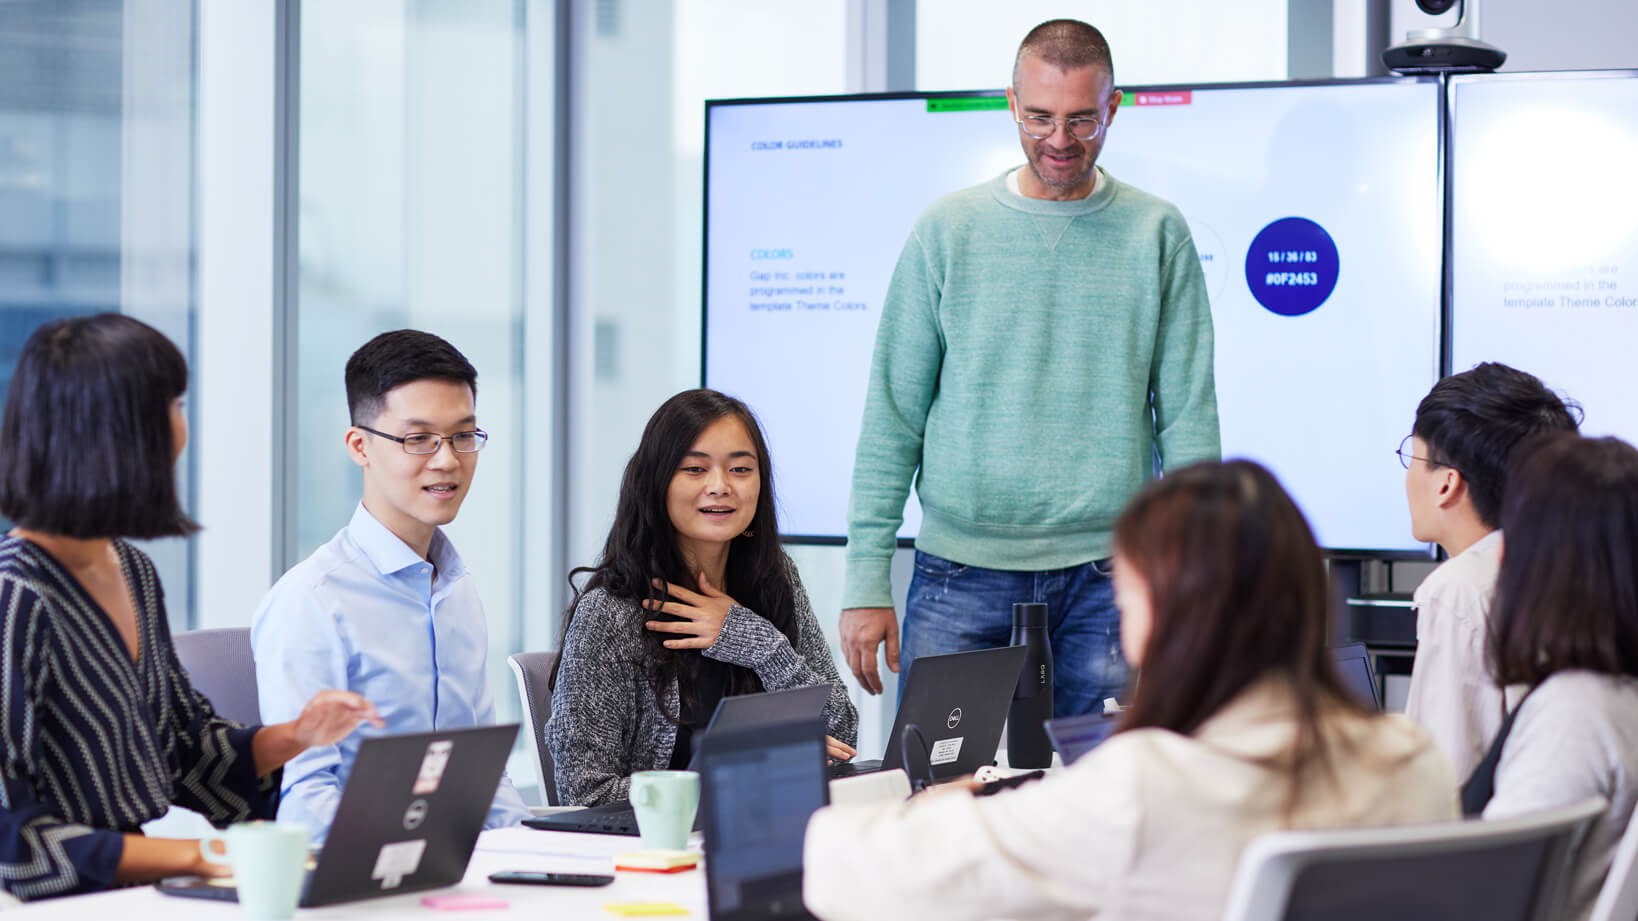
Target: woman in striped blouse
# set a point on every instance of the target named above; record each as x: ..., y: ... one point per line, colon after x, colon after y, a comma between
x: 100, y: 729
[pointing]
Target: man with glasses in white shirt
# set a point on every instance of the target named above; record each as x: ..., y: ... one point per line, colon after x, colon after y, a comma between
x: 1045, y: 346
x: 387, y: 608
x: 1456, y: 461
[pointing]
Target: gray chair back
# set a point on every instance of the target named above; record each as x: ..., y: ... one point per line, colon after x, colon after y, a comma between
x: 1618, y: 899
x: 219, y: 664
x: 1514, y: 869
x: 532, y: 670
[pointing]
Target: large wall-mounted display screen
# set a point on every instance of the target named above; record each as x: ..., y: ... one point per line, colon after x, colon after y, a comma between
x: 1316, y: 210
x: 1544, y: 235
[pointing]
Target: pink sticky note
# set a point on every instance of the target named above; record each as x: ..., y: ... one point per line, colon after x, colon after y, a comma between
x: 462, y: 901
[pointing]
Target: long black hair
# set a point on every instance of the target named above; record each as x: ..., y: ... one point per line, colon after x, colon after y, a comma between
x: 642, y: 546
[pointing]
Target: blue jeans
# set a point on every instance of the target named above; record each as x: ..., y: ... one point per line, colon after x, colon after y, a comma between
x: 954, y: 608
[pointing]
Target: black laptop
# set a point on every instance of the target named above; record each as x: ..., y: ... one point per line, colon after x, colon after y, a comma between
x: 1354, y: 664
x: 758, y: 788
x: 742, y: 712
x: 959, y: 703
x: 408, y: 818
x: 1074, y: 736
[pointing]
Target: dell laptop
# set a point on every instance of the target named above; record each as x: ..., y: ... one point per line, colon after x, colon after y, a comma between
x: 959, y: 703
x: 758, y: 788
x: 408, y: 818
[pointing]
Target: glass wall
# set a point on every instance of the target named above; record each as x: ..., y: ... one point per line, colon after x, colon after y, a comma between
x: 96, y: 173
x: 412, y: 213
x: 637, y: 198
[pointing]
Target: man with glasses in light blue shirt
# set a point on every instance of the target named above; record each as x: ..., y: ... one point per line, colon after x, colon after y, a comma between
x: 387, y: 608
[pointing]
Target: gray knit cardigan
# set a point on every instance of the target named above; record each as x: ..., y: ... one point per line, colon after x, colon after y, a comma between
x: 605, y: 724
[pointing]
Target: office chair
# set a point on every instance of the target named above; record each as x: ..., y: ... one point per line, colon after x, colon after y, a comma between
x: 1514, y: 869
x: 1618, y: 897
x: 219, y: 664
x: 532, y: 669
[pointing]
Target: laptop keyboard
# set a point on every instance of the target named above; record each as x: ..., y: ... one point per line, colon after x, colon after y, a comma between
x: 612, y: 819
x: 854, y: 768
x: 598, y: 820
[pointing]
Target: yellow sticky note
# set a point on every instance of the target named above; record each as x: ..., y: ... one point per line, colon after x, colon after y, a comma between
x: 644, y: 909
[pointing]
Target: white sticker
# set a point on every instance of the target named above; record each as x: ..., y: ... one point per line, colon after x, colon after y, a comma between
x: 397, y: 861
x: 945, y: 751
x: 432, y: 768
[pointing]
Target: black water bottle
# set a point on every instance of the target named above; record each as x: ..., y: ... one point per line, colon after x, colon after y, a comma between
x: 1027, y: 742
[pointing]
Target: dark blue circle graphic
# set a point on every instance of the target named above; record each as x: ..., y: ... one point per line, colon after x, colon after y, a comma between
x: 1291, y: 267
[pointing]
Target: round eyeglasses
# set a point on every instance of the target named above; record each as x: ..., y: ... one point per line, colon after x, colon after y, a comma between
x: 1041, y: 127
x: 429, y: 443
x: 1405, y: 455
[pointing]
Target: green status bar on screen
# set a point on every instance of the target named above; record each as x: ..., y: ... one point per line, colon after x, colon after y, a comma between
x: 966, y: 103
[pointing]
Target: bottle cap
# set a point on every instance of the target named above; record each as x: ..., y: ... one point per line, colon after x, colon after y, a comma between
x: 1029, y: 614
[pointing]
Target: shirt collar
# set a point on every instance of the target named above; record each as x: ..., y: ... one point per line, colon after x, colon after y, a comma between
x: 1485, y: 544
x: 391, y: 555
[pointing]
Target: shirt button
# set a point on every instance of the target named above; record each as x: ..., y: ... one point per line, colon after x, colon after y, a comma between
x: 425, y: 570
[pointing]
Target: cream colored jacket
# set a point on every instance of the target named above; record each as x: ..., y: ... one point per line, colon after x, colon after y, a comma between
x: 1148, y: 826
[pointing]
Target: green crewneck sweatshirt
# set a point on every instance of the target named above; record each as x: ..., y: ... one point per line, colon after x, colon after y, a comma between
x: 1034, y: 361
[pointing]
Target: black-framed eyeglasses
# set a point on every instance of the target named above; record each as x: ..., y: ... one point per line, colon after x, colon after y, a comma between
x: 1041, y: 127
x: 1405, y: 455
x: 429, y: 443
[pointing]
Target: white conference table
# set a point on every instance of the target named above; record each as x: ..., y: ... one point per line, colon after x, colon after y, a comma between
x: 499, y: 849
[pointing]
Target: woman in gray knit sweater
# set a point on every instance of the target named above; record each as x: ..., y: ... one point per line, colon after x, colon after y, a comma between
x: 693, y: 600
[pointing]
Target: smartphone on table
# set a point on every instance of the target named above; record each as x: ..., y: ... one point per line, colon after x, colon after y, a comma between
x: 533, y: 878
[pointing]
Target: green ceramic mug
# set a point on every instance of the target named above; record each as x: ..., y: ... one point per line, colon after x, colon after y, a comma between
x: 665, y: 802
x: 269, y: 863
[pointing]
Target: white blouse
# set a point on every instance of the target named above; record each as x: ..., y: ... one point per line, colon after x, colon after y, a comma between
x: 1575, y: 737
x: 1149, y: 825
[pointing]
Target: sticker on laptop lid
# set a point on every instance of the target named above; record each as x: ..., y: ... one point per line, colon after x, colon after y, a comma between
x: 945, y: 751
x: 397, y: 861
x: 432, y: 767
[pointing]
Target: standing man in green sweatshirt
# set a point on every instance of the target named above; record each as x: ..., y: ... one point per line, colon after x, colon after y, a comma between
x: 1044, y: 348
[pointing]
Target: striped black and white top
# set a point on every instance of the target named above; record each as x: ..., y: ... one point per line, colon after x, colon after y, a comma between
x: 95, y: 743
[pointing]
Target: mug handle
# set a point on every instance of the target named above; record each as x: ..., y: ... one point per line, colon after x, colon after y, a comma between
x: 643, y: 796
x: 210, y: 853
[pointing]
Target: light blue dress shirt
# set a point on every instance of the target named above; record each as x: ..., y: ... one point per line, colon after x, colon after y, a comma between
x: 364, y: 613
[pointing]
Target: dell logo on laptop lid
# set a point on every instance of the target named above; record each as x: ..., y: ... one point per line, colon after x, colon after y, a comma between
x: 415, y: 815
x: 955, y: 718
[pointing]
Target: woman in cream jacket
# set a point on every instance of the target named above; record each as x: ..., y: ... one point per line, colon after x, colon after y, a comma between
x: 1239, y: 726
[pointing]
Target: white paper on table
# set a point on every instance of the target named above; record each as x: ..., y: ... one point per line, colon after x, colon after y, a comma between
x: 584, y: 849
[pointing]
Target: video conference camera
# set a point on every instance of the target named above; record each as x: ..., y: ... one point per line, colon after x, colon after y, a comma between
x: 1454, y: 50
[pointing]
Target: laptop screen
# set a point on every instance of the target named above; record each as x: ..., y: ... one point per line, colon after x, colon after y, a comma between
x: 1074, y: 736
x: 759, y: 800
x: 1354, y: 664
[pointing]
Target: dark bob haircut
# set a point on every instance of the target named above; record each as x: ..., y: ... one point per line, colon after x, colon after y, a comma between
x: 1567, y: 595
x: 391, y: 360
x: 86, y: 449
x: 1472, y: 421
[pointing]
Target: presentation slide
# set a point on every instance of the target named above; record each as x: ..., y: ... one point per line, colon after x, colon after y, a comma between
x: 1544, y: 260
x: 1316, y: 211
